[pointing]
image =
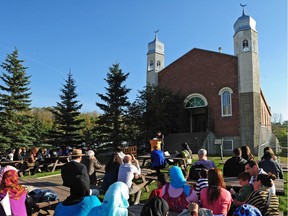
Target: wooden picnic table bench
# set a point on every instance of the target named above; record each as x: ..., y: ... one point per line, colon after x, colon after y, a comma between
x: 180, y: 161
x: 11, y: 163
x: 51, y: 163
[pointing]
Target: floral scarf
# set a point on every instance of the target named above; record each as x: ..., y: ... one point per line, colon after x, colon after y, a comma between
x: 10, y: 184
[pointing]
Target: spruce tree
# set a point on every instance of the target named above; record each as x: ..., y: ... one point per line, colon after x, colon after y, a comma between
x: 111, y: 122
x: 14, y: 103
x: 68, y: 123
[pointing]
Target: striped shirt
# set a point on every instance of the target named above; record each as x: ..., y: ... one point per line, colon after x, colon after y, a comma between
x: 201, y: 183
x: 259, y: 199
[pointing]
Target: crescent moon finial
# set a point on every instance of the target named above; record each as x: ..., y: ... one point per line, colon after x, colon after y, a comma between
x: 243, y: 6
x: 156, y: 33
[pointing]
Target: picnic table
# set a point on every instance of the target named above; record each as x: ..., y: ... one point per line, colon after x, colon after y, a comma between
x: 53, y: 183
x: 11, y: 163
x: 180, y: 161
x: 51, y: 163
x: 233, y: 182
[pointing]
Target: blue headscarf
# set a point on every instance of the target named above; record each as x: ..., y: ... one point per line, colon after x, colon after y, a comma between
x: 115, y: 201
x: 177, y: 180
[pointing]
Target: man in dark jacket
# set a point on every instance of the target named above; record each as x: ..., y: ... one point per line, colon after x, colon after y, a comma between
x: 73, y: 168
x: 234, y: 165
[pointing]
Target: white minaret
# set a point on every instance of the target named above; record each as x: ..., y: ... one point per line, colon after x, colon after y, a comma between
x: 246, y: 49
x: 155, y: 60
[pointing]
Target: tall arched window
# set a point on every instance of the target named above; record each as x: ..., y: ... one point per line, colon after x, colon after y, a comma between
x: 158, y: 65
x: 245, y: 43
x: 226, y: 101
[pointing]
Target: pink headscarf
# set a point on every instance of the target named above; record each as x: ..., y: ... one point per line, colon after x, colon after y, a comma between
x: 5, y: 169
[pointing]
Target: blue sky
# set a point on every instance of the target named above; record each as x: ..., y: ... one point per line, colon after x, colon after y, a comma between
x: 87, y: 37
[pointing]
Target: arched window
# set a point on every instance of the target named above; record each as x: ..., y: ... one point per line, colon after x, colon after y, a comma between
x: 245, y: 45
x: 158, y: 65
x: 151, y: 65
x: 194, y: 101
x: 226, y: 101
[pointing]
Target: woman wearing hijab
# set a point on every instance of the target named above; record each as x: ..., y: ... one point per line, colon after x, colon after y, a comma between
x: 79, y: 202
x: 177, y: 191
x: 115, y: 202
x: 16, y: 192
x: 156, y: 206
x: 215, y: 196
x: 5, y: 169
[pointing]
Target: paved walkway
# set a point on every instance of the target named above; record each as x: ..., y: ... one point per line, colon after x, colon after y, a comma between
x: 54, y: 183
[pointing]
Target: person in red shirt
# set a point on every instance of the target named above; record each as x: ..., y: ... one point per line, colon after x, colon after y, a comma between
x: 161, y: 181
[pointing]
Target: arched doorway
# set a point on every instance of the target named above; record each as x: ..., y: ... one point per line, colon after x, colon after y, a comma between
x: 197, y: 112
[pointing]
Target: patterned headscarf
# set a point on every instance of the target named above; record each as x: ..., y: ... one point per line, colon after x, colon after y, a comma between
x: 5, y: 169
x: 178, y: 181
x: 10, y: 184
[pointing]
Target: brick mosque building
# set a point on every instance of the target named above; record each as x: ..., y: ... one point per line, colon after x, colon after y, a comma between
x: 223, y: 102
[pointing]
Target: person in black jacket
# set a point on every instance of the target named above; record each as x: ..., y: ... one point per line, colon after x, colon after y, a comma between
x: 234, y: 165
x: 73, y: 168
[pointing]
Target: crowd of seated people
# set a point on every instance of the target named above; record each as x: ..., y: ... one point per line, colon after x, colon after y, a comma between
x: 209, y: 197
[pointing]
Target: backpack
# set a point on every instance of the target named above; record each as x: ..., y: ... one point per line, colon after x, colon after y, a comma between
x: 247, y: 210
x: 39, y: 195
x: 185, y: 154
x: 177, y: 204
x: 194, y: 171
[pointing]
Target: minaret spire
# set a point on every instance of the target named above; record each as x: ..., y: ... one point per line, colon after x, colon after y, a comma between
x: 243, y: 6
x: 156, y: 34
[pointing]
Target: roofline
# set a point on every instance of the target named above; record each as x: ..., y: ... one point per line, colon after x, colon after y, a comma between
x: 265, y: 102
x: 197, y: 49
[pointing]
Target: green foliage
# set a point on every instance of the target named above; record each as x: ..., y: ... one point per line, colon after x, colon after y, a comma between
x: 68, y: 124
x: 158, y: 109
x: 115, y: 103
x: 89, y: 132
x: 15, y: 103
x: 280, y: 131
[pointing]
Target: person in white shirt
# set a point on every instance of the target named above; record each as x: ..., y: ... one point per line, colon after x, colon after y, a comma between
x: 127, y: 172
x: 253, y: 169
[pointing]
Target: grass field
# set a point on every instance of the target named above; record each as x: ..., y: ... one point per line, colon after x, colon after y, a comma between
x: 282, y: 199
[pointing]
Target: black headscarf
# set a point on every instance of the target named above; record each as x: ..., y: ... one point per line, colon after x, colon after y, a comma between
x: 155, y: 207
x: 79, y: 189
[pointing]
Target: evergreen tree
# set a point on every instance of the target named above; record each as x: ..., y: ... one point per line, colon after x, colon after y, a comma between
x: 158, y: 110
x: 111, y: 122
x: 68, y: 123
x: 15, y: 103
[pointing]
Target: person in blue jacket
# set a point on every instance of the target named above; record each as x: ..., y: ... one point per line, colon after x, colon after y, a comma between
x: 158, y: 160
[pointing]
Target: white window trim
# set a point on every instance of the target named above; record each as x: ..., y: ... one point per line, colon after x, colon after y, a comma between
x: 195, y: 95
x: 220, y: 93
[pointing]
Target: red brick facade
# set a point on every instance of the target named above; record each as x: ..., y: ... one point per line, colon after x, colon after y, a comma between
x: 206, y: 73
